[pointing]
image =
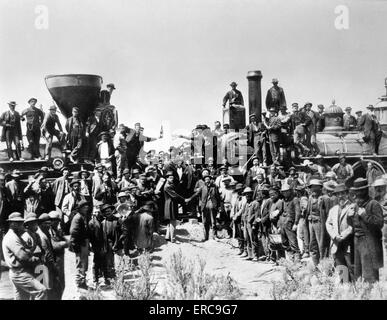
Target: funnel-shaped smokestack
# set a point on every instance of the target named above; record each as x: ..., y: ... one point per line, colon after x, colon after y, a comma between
x: 255, y: 99
x: 75, y: 90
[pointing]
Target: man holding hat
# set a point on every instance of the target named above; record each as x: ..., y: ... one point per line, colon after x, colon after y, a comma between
x: 275, y: 97
x: 35, y: 118
x: 234, y: 97
x: 21, y: 261
x: 79, y: 240
x: 12, y: 133
x: 49, y: 131
x: 340, y: 231
x: 349, y: 120
x: 75, y: 134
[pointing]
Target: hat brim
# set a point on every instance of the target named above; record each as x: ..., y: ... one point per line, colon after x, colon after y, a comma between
x: 16, y: 220
x: 359, y: 188
x: 109, y: 207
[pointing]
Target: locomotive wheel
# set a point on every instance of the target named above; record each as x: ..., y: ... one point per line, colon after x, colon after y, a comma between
x: 58, y: 163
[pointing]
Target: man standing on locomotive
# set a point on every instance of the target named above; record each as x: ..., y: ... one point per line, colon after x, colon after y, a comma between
x: 34, y: 120
x: 75, y: 130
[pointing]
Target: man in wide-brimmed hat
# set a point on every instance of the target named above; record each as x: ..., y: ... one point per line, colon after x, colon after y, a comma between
x: 85, y: 187
x: 275, y: 97
x: 366, y: 217
x: 79, y: 239
x: 273, y: 126
x: 21, y: 260
x: 349, y: 120
x: 340, y: 231
x: 34, y: 118
x: 12, y: 133
x: 61, y: 186
x: 236, y: 217
x: 70, y: 202
x: 234, y: 96
x: 15, y: 192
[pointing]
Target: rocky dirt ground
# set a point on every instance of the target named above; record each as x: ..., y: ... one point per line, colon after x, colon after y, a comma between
x: 253, y: 278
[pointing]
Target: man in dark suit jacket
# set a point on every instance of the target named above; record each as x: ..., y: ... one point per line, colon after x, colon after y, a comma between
x: 369, y: 124
x: 93, y: 129
x: 275, y: 97
x: 210, y: 202
x: 234, y: 96
x: 10, y: 120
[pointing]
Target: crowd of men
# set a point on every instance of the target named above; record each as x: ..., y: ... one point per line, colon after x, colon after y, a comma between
x: 275, y: 210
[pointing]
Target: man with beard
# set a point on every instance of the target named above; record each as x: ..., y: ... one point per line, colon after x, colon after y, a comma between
x: 70, y: 203
x: 61, y: 187
x: 340, y: 231
x: 320, y: 125
x: 275, y: 211
x: 273, y: 126
x: 343, y: 170
x: 288, y: 222
x: 93, y: 129
x: 261, y: 224
x: 21, y: 260
x: 106, y: 192
x: 234, y: 96
x: 366, y: 217
x: 79, y: 239
x: 251, y: 179
x: 249, y: 215
x: 210, y: 203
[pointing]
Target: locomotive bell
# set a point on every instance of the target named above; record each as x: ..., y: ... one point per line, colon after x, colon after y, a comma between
x: 333, y: 118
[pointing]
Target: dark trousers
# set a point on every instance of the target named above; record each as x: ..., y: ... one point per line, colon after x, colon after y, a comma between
x: 289, y: 238
x: 239, y: 235
x: 364, y: 266
x: 12, y: 137
x: 75, y: 146
x: 325, y: 242
x: 209, y: 221
x: 49, y: 138
x: 315, y: 240
x: 343, y: 258
x: 33, y: 137
x: 274, y: 149
x: 251, y: 241
x: 91, y: 149
x: 99, y: 265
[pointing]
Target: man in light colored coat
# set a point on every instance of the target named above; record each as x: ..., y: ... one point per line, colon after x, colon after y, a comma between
x: 340, y: 231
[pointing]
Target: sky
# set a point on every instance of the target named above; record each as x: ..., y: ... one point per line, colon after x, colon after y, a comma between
x: 172, y: 60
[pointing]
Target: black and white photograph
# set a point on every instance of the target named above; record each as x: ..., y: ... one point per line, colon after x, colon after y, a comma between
x: 193, y: 150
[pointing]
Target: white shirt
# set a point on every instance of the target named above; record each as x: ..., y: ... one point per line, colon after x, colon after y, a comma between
x: 104, y: 153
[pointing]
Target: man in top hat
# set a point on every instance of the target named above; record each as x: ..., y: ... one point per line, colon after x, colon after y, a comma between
x: 75, y: 134
x: 59, y: 244
x: 313, y: 214
x: 20, y: 259
x: 70, y: 202
x: 366, y: 217
x: 49, y: 131
x: 79, y: 239
x: 35, y: 118
x: 12, y: 133
x: 275, y: 97
x: 340, y: 231
x: 320, y: 125
x: 343, y: 170
x: 61, y: 187
x: 234, y: 97
x: 273, y: 126
x: 350, y: 122
x: 14, y: 190
x: 369, y: 124
x: 288, y: 221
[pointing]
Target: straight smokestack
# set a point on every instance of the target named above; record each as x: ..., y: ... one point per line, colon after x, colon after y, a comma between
x: 255, y: 96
